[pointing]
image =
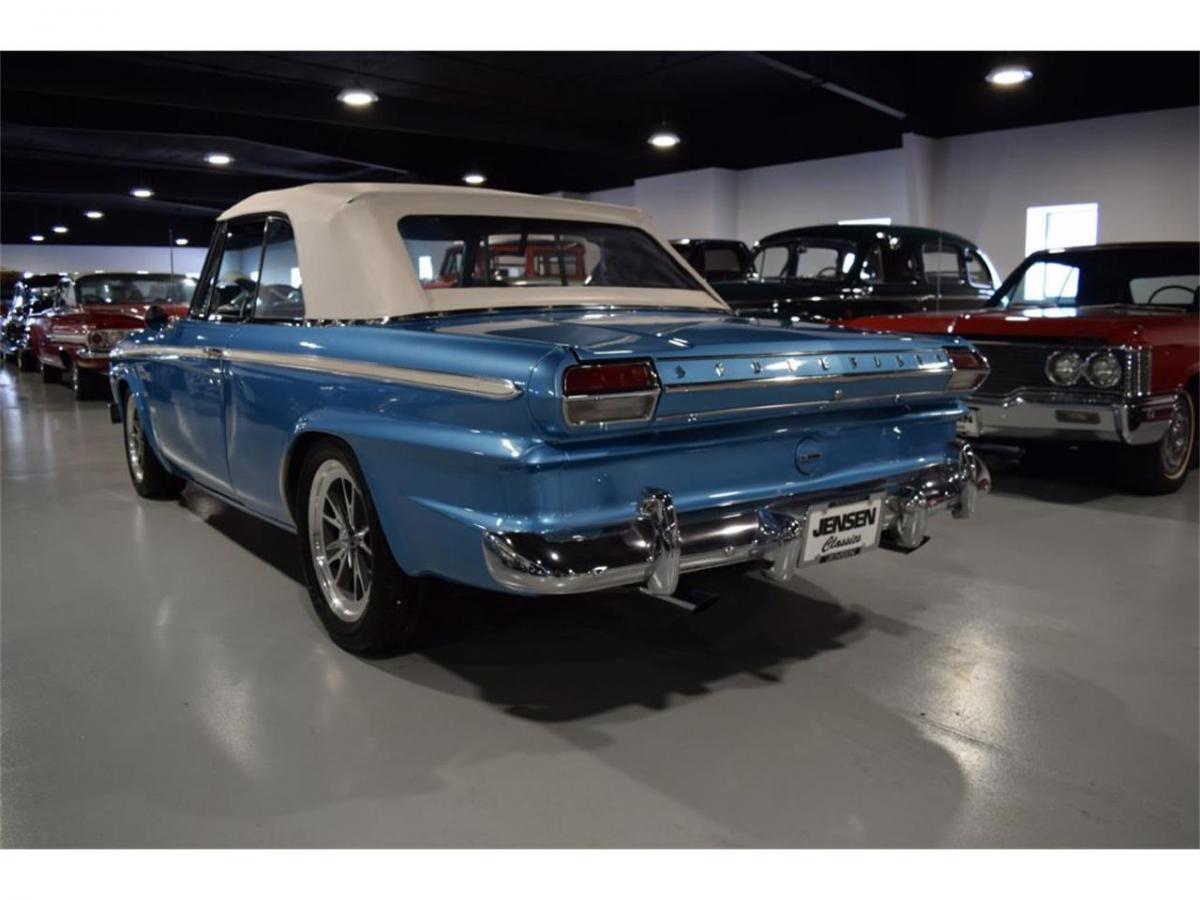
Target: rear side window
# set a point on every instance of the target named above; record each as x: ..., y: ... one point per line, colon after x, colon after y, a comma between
x: 280, y: 287
x: 978, y: 273
x: 721, y: 261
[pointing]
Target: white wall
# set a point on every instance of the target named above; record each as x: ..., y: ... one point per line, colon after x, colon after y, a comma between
x: 816, y: 192
x: 66, y: 258
x: 1142, y: 169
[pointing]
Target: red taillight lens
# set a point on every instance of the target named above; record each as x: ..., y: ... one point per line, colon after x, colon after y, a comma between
x: 610, y: 392
x: 609, y: 378
x: 970, y: 368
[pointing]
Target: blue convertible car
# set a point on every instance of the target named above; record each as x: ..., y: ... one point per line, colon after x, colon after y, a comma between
x: 392, y: 373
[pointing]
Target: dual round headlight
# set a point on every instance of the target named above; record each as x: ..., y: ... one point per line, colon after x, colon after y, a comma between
x: 1101, y: 369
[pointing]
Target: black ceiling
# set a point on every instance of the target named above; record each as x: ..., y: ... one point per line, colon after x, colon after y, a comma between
x: 80, y: 129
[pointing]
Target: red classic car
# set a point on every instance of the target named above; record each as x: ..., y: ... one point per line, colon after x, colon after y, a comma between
x: 1088, y: 344
x: 76, y: 334
x: 518, y: 263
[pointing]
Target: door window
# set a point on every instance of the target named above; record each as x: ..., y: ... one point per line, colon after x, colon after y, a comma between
x: 280, y: 290
x: 235, y: 277
x: 772, y: 262
x: 942, y: 263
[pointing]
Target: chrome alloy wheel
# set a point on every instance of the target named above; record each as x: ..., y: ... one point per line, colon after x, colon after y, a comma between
x: 1177, y: 441
x: 135, y: 441
x: 339, y: 538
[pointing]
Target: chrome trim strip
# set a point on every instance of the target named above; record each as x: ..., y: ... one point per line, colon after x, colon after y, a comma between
x: 775, y: 407
x: 776, y: 381
x: 476, y: 385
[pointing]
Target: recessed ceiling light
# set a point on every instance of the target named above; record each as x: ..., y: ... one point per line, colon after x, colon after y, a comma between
x: 1007, y: 76
x: 357, y: 97
x: 181, y: 242
x: 664, y: 140
x: 37, y: 238
x: 60, y: 229
x: 142, y: 193
x: 474, y: 178
x: 94, y: 214
x: 218, y: 159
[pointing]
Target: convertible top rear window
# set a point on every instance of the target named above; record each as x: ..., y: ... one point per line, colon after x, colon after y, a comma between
x: 499, y: 251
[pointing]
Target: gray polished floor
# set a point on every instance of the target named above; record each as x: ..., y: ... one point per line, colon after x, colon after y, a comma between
x: 1027, y: 679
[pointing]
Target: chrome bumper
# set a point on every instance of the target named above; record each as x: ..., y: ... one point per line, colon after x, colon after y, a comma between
x: 659, y: 545
x: 1039, y: 415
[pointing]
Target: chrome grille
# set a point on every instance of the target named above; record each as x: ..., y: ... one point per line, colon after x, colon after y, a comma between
x: 1016, y: 365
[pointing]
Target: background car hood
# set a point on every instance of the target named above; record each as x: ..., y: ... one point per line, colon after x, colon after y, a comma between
x: 1102, y: 322
x: 595, y: 335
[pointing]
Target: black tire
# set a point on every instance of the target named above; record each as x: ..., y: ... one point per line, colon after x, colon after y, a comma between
x: 27, y: 361
x: 388, y: 619
x: 1162, y: 468
x: 149, y: 476
x: 50, y: 374
x: 86, y: 385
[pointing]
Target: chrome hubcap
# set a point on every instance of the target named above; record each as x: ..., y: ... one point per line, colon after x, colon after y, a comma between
x: 339, y: 536
x: 1178, y: 439
x: 134, y: 440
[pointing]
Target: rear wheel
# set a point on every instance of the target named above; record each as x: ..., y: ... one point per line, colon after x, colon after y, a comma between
x: 1162, y: 468
x: 150, y: 477
x: 50, y: 374
x: 364, y: 600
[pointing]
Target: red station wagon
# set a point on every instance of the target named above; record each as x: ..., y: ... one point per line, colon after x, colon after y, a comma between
x: 1088, y: 344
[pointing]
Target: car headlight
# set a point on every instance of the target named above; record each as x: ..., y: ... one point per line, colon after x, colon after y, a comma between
x: 1103, y: 369
x: 1064, y: 367
x: 106, y: 339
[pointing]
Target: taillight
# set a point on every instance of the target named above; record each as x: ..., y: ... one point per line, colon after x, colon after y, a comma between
x: 970, y: 368
x: 610, y: 392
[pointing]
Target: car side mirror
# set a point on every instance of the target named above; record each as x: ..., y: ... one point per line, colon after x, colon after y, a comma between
x: 156, y: 318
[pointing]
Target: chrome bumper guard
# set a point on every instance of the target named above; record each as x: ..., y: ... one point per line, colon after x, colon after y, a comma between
x: 659, y: 545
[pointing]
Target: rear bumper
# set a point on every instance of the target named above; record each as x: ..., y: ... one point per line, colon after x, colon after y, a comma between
x: 1039, y: 415
x: 654, y: 549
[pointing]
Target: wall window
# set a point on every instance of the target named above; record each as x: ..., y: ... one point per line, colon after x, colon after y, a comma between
x: 1052, y: 227
x: 280, y: 288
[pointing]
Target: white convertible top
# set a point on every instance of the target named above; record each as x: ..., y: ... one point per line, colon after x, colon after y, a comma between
x: 354, y: 264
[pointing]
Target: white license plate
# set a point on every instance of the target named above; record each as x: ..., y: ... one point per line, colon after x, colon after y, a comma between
x: 835, y: 532
x: 968, y: 425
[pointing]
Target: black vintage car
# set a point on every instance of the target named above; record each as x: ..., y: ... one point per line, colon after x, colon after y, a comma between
x: 32, y: 295
x: 832, y: 272
x: 717, y: 259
